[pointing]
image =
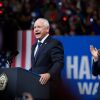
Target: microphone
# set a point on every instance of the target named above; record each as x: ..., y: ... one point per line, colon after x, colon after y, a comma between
x: 12, y: 55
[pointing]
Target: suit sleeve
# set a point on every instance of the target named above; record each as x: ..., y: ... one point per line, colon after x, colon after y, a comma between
x: 96, y: 68
x: 57, y: 58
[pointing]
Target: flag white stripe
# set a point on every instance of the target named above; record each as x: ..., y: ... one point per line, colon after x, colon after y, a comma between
x: 28, y: 49
x: 19, y: 48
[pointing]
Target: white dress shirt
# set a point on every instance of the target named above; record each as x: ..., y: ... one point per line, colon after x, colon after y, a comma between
x: 41, y: 42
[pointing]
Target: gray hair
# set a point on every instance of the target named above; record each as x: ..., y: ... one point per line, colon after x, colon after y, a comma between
x: 45, y: 21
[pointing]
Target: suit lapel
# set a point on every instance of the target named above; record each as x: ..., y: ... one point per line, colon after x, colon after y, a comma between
x: 42, y: 48
x: 33, y: 49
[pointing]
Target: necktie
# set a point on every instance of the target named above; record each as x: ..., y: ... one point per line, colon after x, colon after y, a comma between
x: 36, y: 54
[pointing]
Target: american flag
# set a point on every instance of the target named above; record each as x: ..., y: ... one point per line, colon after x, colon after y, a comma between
x: 25, y: 40
x: 3, y: 60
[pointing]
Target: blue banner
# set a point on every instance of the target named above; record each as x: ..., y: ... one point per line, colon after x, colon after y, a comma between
x: 77, y: 72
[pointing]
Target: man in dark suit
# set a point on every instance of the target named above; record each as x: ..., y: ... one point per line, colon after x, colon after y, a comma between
x: 47, y: 56
x: 96, y: 66
x: 96, y: 60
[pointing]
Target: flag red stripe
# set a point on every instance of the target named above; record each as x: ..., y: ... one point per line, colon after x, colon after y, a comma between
x: 23, y: 49
x: 33, y: 38
x: 13, y: 65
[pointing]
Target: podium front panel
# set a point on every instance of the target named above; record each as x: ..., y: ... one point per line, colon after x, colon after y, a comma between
x: 21, y: 81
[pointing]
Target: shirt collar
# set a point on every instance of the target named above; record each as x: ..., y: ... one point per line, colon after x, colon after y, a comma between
x: 43, y: 38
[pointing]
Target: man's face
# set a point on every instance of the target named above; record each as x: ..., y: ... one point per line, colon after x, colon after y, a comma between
x: 40, y: 30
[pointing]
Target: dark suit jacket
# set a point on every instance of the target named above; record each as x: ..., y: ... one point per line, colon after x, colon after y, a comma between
x: 50, y: 58
x: 96, y: 68
x: 95, y: 72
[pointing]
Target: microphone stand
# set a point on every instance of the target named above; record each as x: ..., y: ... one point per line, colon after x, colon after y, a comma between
x: 10, y: 62
x: 11, y: 58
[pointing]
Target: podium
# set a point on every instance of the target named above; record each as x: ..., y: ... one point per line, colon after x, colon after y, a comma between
x: 23, y: 81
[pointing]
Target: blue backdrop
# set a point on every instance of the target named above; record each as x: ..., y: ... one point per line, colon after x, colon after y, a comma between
x: 77, y: 72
